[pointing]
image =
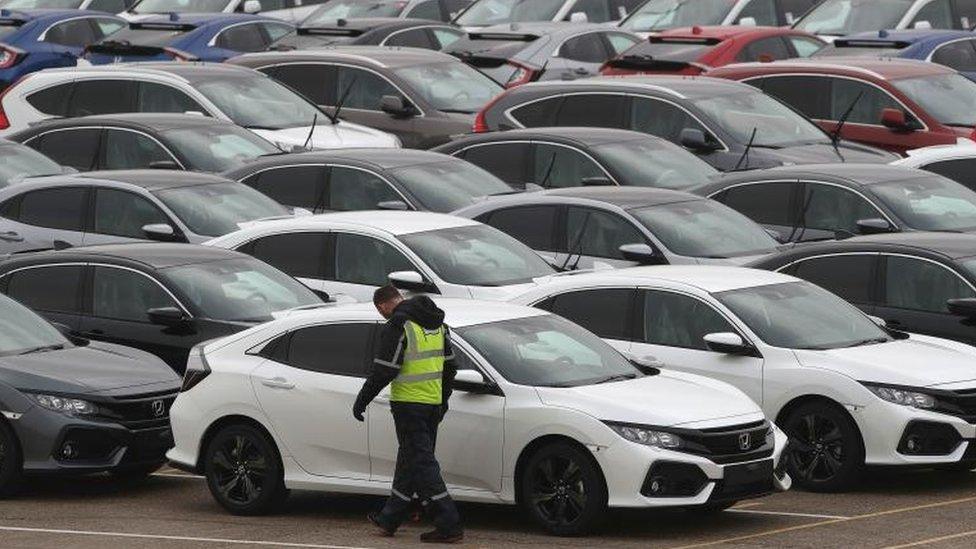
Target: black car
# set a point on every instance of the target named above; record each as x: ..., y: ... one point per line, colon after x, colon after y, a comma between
x: 369, y: 31
x: 162, y: 298
x: 918, y: 282
x: 822, y: 202
x: 730, y: 125
x: 572, y: 157
x: 145, y: 140
x: 18, y: 162
x: 369, y: 179
x: 77, y: 407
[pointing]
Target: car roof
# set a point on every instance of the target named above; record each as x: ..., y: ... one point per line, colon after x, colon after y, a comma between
x: 379, y: 56
x: 381, y: 158
x: 856, y: 174
x: 458, y: 312
x: 584, y: 136
x: 544, y: 28
x: 154, y: 121
x: 393, y: 222
x: 724, y: 32
x: 708, y: 278
x: 12, y: 14
x: 185, y: 70
x: 689, y: 87
x: 882, y: 68
x: 153, y: 180
x: 910, y: 36
x: 156, y: 255
x: 953, y: 245
x: 201, y: 19
x: 625, y: 197
x: 371, y: 23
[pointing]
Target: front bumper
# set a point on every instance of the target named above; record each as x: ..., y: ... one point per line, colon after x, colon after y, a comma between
x: 885, y: 427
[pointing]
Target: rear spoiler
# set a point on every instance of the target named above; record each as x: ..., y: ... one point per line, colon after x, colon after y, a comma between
x: 646, y: 63
x: 113, y: 47
x: 682, y: 40
x: 328, y: 31
x: 511, y: 37
x: 184, y: 27
x: 855, y: 43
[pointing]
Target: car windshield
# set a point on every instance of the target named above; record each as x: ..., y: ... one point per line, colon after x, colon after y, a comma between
x: 242, y: 289
x: 41, y: 4
x: 448, y: 186
x: 799, y: 315
x: 158, y: 37
x: 258, y: 102
x: 703, y: 228
x: 931, y: 203
x: 180, y: 6
x: 654, y: 163
x: 842, y: 17
x: 949, y: 98
x: 22, y: 330
x: 17, y: 162
x: 492, y: 12
x: 668, y: 14
x: 333, y: 10
x: 215, y: 149
x: 547, y: 351
x: 776, y: 124
x: 216, y: 209
x: 477, y: 255
x: 451, y: 87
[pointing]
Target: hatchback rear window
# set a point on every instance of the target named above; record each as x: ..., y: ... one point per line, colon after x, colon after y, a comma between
x: 149, y: 36
x: 685, y: 51
x: 9, y: 27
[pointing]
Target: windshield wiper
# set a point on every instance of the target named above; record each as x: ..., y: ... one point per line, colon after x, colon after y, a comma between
x: 868, y: 341
x: 615, y: 377
x: 42, y: 348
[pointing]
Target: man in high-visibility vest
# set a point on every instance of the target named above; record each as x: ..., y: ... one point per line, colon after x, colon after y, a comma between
x: 415, y: 358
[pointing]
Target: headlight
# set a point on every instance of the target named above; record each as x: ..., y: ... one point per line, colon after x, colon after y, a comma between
x: 646, y: 436
x: 65, y: 405
x: 905, y: 397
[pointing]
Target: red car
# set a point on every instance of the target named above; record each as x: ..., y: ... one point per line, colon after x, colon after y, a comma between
x: 894, y: 104
x: 693, y: 50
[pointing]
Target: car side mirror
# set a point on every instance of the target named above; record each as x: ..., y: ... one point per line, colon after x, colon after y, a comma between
x: 598, y: 181
x: 894, y: 119
x: 472, y: 381
x: 324, y: 296
x: 396, y: 106
x: 412, y: 281
x: 167, y: 316
x: 252, y: 6
x: 398, y: 205
x: 728, y: 343
x: 873, y: 226
x: 878, y: 321
x: 642, y: 254
x: 163, y: 232
x: 965, y: 306
x: 695, y: 140
x: 578, y: 17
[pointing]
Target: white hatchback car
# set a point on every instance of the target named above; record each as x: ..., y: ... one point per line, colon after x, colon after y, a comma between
x: 544, y: 413
x: 240, y: 95
x: 350, y: 254
x: 846, y: 391
x: 957, y: 162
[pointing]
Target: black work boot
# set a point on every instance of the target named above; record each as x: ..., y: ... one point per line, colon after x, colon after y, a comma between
x: 437, y: 536
x: 384, y: 530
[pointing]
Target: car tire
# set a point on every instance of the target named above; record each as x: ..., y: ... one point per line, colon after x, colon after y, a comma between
x: 135, y: 474
x: 243, y: 470
x: 563, y: 490
x: 10, y: 461
x: 825, y: 452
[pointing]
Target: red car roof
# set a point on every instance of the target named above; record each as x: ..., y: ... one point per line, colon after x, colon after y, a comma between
x: 729, y: 31
x: 880, y: 68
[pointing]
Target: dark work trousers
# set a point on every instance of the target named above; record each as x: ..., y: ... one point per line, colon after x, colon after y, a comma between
x: 417, y: 470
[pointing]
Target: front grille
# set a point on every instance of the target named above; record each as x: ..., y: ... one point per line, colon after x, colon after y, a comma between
x: 745, y: 442
x: 960, y: 403
x: 143, y: 411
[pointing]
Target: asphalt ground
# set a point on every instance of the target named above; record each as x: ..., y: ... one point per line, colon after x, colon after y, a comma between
x: 174, y: 510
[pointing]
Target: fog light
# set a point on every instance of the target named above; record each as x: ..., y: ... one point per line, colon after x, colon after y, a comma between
x: 68, y: 451
x: 656, y: 486
x: 913, y: 444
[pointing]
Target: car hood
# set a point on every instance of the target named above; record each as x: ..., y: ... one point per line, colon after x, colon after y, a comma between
x: 91, y: 369
x: 910, y: 362
x: 816, y: 154
x: 667, y: 399
x: 330, y: 136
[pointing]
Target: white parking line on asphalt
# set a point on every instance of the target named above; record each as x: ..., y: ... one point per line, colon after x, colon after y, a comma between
x: 174, y: 538
x: 785, y: 514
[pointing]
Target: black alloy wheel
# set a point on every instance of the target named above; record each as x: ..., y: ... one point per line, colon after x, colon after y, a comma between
x: 10, y: 466
x: 243, y: 470
x: 563, y: 490
x: 825, y: 453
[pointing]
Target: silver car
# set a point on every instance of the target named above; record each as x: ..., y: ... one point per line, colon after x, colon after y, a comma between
x: 122, y: 206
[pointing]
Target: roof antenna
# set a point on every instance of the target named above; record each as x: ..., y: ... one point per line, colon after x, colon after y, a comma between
x: 745, y: 153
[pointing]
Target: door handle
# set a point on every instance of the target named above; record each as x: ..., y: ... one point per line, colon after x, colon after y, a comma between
x: 277, y: 383
x: 11, y: 236
x: 581, y: 71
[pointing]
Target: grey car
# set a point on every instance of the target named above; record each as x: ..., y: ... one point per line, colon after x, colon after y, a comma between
x: 18, y: 162
x: 124, y: 206
x: 77, y: 407
x: 583, y: 227
x: 529, y: 52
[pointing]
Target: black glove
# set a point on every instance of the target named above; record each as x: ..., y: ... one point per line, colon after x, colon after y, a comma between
x: 357, y: 412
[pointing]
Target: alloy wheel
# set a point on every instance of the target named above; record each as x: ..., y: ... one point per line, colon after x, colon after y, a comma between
x: 240, y: 469
x: 558, y: 490
x: 817, y: 447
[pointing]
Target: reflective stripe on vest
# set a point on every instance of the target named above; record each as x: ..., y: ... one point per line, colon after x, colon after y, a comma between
x: 420, y: 375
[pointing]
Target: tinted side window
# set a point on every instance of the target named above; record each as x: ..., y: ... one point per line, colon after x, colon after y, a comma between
x: 445, y: 37
x: 366, y: 260
x: 966, y: 10
x: 958, y: 55
x: 808, y: 94
x: 126, y: 150
x: 62, y: 208
x: 75, y: 148
x: 833, y: 208
x: 415, y: 38
x: 765, y: 49
x: 53, y: 100
x: 315, y: 82
x: 557, y: 167
x: 426, y: 10
x: 763, y: 12
x: 849, y: 276
x: 505, y: 161
x: 301, y: 186
x: 677, y: 320
x: 762, y: 202
x: 938, y: 14
x: 962, y: 170
x: 110, y: 6
x: 123, y: 213
x: 534, y: 226
x: 365, y: 88
x: 539, y: 113
x: 588, y: 48
x: 351, y: 189
x: 921, y: 286
x: 661, y: 119
x: 74, y: 32
x: 596, y: 11
x: 51, y: 289
x: 124, y: 295
x: 606, y: 313
x: 155, y: 97
x: 599, y: 234
x: 597, y: 110
x: 301, y: 255
x: 247, y: 38
x: 102, y: 97
x: 339, y: 349
x: 870, y: 102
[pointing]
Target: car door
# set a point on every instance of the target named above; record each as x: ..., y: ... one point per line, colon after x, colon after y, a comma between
x: 772, y: 204
x: 852, y: 276
x: 124, y: 149
x: 361, y: 264
x: 664, y: 119
x: 307, y: 387
x: 119, y: 299
x: 54, y: 291
x: 914, y: 294
x: 959, y: 55
x: 303, y: 255
x: 77, y: 148
x: 606, y: 311
x: 828, y: 211
x: 120, y: 216
x: 578, y: 57
x: 594, y: 237
x: 470, y: 440
x: 535, y: 226
x: 671, y: 328
x: 44, y: 218
x: 297, y: 186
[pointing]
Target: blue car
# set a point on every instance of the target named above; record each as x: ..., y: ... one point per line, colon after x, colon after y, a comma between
x: 953, y: 48
x: 213, y: 37
x: 31, y: 40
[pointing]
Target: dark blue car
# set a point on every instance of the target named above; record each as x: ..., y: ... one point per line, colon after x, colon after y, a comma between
x: 31, y: 40
x: 212, y: 37
x: 953, y: 48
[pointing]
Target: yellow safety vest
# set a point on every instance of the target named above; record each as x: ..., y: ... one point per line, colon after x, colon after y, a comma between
x: 420, y: 375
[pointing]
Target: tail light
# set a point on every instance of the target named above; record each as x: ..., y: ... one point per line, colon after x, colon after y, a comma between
x: 180, y: 55
x: 197, y: 368
x: 480, y: 123
x: 10, y: 56
x: 4, y: 121
x: 523, y: 75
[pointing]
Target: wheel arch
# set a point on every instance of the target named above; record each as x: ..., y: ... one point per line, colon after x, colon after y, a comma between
x: 227, y: 420
x: 540, y: 442
x: 798, y: 401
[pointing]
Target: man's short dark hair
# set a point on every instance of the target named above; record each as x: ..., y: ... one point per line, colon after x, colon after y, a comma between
x: 384, y: 294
